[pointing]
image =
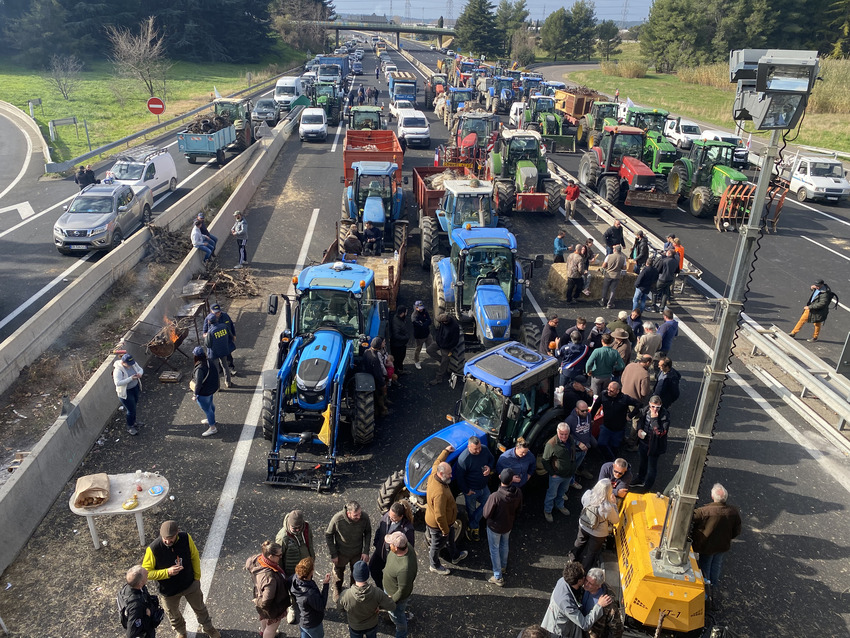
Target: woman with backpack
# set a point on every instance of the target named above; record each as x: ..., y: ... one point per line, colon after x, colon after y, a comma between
x: 271, y: 587
x: 598, y: 516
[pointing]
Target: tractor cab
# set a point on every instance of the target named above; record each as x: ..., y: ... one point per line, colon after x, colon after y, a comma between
x: 467, y: 203
x: 484, y: 261
x: 324, y: 92
x: 458, y: 98
x: 374, y: 192
x: 549, y: 87
x: 706, y: 157
x: 621, y: 141
x: 647, y: 119
x: 503, y: 83
x: 366, y: 118
x: 481, y: 123
x: 540, y: 104
x: 530, y: 84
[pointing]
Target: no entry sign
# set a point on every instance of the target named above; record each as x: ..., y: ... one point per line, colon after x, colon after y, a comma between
x: 156, y: 106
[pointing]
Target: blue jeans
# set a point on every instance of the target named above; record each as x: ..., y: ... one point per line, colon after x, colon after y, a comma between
x: 206, y: 403
x: 368, y: 633
x: 207, y: 250
x: 475, y: 506
x: 639, y: 300
x: 579, y: 460
x: 709, y: 565
x: 399, y: 618
x: 130, y: 404
x: 557, y: 486
x: 609, y: 441
x: 648, y: 467
x: 313, y: 632
x: 499, y: 544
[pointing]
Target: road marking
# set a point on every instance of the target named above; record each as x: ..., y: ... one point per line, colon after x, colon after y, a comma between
x: 224, y: 509
x: 339, y: 129
x: 834, y: 252
x: 24, y: 209
x: 24, y: 168
x: 59, y: 278
x: 36, y: 216
x: 820, y: 212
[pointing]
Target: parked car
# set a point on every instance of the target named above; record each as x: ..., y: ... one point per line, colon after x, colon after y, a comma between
x: 313, y: 125
x: 266, y: 110
x: 414, y: 128
x: 401, y: 106
x: 433, y: 48
x: 389, y: 68
x: 101, y: 216
x: 450, y: 53
x: 156, y: 170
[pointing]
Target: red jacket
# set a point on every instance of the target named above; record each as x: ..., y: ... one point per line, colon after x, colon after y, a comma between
x: 571, y: 193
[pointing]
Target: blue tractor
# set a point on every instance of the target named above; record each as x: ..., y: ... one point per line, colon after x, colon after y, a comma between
x: 375, y: 195
x: 482, y: 284
x: 501, y: 402
x: 316, y: 386
x: 456, y: 99
x: 500, y: 95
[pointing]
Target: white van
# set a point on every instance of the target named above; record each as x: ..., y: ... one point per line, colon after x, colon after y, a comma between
x: 516, y: 115
x: 287, y: 89
x: 154, y: 169
x: 313, y: 125
x: 414, y: 128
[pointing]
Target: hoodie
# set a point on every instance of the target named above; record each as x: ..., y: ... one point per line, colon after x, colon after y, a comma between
x: 311, y: 602
x: 271, y: 589
x: 295, y: 546
x: 361, y: 604
x: 123, y: 377
x: 502, y: 507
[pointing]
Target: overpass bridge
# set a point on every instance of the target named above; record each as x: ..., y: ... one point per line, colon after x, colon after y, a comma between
x: 398, y: 29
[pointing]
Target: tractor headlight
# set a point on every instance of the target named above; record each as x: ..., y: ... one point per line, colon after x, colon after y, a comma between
x: 321, y: 385
x: 488, y: 332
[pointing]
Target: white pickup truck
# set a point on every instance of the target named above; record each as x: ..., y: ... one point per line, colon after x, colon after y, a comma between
x: 816, y: 177
x: 681, y: 132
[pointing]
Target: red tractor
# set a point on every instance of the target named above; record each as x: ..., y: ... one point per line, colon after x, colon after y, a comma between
x: 614, y: 170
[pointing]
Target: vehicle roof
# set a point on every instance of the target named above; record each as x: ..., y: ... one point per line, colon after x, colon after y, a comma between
x: 103, y: 189
x: 368, y: 167
x: 465, y: 186
x: 511, y: 133
x: 475, y: 236
x: 460, y: 89
x: 289, y: 79
x: 313, y: 110
x: 511, y: 367
x: 719, y: 143
x: 625, y: 130
x: 336, y: 276
x: 719, y: 133
x: 647, y: 109
x: 415, y: 113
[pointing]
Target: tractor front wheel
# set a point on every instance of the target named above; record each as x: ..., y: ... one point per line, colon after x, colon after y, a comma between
x: 363, y: 424
x: 581, y: 130
x: 529, y: 335
x: 439, y: 295
x: 392, y: 491
x: 677, y: 181
x: 506, y: 194
x: 345, y: 226
x: 269, y: 414
x: 701, y: 202
x: 588, y: 170
x: 399, y: 235
x: 430, y: 238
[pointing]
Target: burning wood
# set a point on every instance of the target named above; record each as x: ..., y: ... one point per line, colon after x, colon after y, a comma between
x: 171, y: 333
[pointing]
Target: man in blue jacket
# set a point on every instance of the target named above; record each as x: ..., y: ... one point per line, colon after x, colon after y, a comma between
x: 472, y: 472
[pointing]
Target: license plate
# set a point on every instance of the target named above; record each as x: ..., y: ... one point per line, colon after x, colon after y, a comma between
x: 832, y: 199
x: 77, y: 247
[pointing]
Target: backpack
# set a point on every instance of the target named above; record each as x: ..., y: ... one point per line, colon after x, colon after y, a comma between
x: 590, y: 517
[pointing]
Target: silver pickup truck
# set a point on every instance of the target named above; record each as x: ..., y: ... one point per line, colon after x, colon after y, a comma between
x: 101, y: 216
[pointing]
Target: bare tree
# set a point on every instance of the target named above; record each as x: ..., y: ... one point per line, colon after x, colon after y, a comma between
x: 140, y: 56
x: 65, y: 74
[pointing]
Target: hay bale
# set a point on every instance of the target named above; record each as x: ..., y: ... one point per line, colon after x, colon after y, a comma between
x: 557, y: 283
x: 557, y: 280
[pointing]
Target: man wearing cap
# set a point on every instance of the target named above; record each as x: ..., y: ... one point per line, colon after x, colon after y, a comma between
x: 348, y: 536
x: 501, y: 511
x: 219, y: 343
x: 603, y: 364
x: 399, y: 574
x: 594, y: 338
x: 612, y: 268
x: 362, y: 603
x: 421, y: 321
x: 296, y: 539
x: 372, y: 364
x: 640, y: 251
x: 622, y: 322
x: 217, y: 316
x: 549, y: 335
x: 816, y: 309
x: 240, y: 234
x: 173, y: 560
x: 127, y: 376
x: 206, y: 231
x: 200, y: 242
x: 446, y: 338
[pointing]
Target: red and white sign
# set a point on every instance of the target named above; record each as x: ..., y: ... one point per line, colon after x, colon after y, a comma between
x: 156, y: 106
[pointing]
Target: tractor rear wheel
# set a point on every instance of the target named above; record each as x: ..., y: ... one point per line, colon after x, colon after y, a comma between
x: 588, y: 170
x: 609, y: 189
x: 701, y: 202
x: 458, y: 359
x: 333, y: 116
x: 268, y: 413
x: 363, y: 424
x: 430, y: 239
x: 661, y: 185
x: 555, y: 200
x: 399, y: 235
x: 592, y: 139
x: 342, y: 232
x: 542, y: 431
x: 581, y: 131
x: 392, y: 491
x: 506, y: 193
x: 529, y: 335
x: 677, y: 180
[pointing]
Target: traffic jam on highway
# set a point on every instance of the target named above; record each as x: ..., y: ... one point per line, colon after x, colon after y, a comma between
x: 464, y: 353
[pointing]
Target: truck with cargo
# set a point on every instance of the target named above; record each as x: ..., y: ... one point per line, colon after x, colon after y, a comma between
x: 370, y: 146
x: 402, y: 86
x: 202, y: 139
x: 325, y: 71
x: 574, y: 103
x: 816, y: 177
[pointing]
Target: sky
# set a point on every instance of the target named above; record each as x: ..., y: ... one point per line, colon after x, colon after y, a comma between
x: 539, y: 9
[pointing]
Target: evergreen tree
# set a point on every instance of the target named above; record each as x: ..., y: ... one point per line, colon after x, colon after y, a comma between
x: 476, y: 29
x: 609, y: 40
x: 839, y: 16
x: 39, y: 33
x: 510, y: 16
x: 667, y: 39
x: 552, y: 33
x: 582, y: 34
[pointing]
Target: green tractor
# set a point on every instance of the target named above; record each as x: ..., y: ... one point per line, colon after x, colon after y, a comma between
x: 589, y: 127
x: 658, y: 153
x: 520, y: 171
x: 541, y: 116
x: 704, y: 175
x: 325, y: 95
x: 366, y: 118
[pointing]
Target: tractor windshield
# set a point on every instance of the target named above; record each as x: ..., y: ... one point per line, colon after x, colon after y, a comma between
x: 719, y: 155
x: 545, y: 105
x: 650, y: 121
x: 373, y: 186
x: 607, y: 110
x: 230, y: 111
x: 624, y: 145
x: 467, y: 207
x: 325, y: 90
x: 474, y: 125
x: 368, y: 120
x: 502, y: 84
x: 460, y: 96
x: 493, y: 264
x: 332, y: 308
x: 481, y: 406
x: 523, y: 148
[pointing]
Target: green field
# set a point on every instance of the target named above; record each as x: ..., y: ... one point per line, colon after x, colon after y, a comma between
x: 115, y: 107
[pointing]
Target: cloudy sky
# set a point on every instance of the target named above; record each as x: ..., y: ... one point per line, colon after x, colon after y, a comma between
x: 605, y: 9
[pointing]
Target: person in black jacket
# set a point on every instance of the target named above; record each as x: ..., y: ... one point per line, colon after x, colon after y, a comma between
x: 399, y: 337
x: 816, y: 309
x: 447, y: 337
x: 421, y: 330
x: 397, y: 519
x: 653, y: 426
x: 501, y: 510
x: 205, y: 379
x: 640, y: 251
x: 372, y: 365
x: 614, y: 237
x: 80, y: 178
x: 668, y: 268
x: 142, y: 610
x: 219, y: 342
x: 643, y: 285
x: 667, y: 383
x: 311, y: 602
x: 617, y: 408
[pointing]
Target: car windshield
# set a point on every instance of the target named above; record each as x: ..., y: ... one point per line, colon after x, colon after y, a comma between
x: 265, y: 104
x: 487, y: 262
x: 91, y: 205
x: 333, y: 308
x: 481, y: 407
x: 311, y: 119
x: 284, y: 90
x: 128, y: 171
x: 823, y: 169
x: 415, y: 122
x: 403, y: 104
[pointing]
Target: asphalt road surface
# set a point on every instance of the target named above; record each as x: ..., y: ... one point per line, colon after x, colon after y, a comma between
x: 785, y: 576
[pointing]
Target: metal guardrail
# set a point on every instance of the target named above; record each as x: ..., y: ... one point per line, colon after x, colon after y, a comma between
x: 61, y: 167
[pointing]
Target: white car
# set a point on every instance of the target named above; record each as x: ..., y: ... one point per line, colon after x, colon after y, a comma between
x: 313, y: 125
x: 389, y: 68
x: 516, y: 115
x: 450, y: 53
x: 414, y: 128
x: 432, y: 48
x: 401, y: 106
x: 156, y: 170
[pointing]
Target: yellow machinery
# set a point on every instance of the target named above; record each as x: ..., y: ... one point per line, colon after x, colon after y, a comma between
x: 653, y: 590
